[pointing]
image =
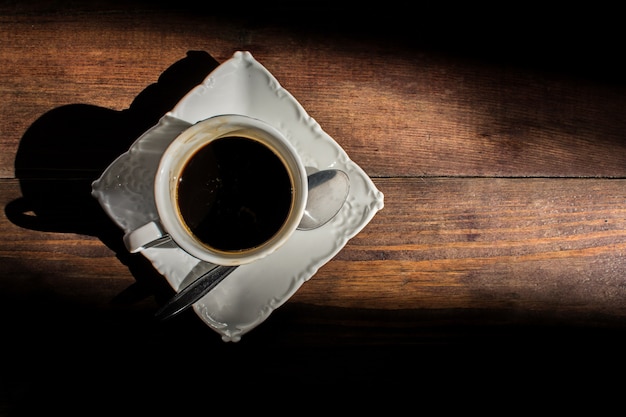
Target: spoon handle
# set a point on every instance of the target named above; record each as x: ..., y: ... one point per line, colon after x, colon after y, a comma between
x: 193, y: 292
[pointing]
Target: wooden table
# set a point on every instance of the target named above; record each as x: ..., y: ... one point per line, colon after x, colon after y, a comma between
x: 500, y: 150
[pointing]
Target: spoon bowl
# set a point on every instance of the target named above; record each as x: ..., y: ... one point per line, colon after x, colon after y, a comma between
x: 328, y: 190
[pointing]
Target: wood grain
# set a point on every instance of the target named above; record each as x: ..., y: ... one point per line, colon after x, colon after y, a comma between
x: 397, y: 110
x: 550, y: 246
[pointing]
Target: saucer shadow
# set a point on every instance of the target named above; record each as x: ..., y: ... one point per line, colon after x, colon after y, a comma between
x: 69, y: 147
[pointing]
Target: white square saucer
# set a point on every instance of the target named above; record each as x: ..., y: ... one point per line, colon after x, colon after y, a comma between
x: 252, y: 292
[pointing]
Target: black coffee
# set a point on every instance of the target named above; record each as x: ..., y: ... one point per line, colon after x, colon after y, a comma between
x: 234, y: 194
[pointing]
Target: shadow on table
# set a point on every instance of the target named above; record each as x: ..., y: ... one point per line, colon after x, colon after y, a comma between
x: 69, y: 147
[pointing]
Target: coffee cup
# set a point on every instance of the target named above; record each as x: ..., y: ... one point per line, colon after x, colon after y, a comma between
x: 229, y: 190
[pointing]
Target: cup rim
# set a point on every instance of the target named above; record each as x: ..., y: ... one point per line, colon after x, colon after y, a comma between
x: 186, y: 144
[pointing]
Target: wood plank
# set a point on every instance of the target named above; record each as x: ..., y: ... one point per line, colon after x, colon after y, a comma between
x: 398, y: 108
x: 546, y: 249
x: 552, y: 248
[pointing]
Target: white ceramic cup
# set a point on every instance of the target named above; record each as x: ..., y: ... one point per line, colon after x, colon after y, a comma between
x: 171, y: 226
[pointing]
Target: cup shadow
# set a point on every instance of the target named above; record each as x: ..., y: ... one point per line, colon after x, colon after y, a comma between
x: 67, y: 148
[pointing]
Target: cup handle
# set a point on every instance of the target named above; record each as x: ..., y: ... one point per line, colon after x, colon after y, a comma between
x: 146, y: 236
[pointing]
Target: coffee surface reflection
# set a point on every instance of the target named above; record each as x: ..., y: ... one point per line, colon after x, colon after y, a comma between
x: 234, y: 194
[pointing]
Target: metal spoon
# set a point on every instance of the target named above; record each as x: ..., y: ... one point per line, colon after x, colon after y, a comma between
x: 328, y: 190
